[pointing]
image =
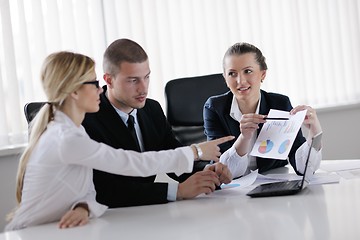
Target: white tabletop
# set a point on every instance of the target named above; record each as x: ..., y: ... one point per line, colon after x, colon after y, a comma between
x: 328, y: 211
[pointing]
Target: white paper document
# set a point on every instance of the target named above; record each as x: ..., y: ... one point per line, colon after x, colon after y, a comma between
x: 349, y: 174
x: 348, y: 169
x: 242, y: 182
x: 237, y: 188
x: 240, y: 186
x: 342, y: 165
x: 317, y: 178
x: 277, y: 136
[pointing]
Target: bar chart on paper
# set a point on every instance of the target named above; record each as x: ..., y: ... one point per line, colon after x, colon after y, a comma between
x: 277, y: 137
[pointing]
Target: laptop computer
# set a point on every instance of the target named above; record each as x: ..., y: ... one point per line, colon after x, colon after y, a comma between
x: 287, y: 187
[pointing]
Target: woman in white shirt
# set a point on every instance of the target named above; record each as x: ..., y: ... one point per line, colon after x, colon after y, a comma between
x: 54, y: 179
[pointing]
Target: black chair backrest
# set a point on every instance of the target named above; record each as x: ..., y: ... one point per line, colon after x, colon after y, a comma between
x: 31, y: 109
x: 185, y: 99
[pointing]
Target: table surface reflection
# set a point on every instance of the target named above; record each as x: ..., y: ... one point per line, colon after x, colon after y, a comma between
x: 328, y: 211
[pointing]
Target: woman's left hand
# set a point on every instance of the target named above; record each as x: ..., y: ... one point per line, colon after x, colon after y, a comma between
x: 311, y: 120
x: 75, y: 217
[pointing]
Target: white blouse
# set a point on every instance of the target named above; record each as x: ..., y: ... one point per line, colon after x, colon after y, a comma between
x: 59, y: 171
x: 239, y: 165
x: 242, y: 165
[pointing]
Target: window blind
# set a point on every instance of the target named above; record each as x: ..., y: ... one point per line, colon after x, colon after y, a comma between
x: 311, y: 46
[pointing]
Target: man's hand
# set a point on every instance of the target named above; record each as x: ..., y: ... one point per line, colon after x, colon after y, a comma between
x: 211, y: 150
x: 222, y: 172
x: 198, y: 183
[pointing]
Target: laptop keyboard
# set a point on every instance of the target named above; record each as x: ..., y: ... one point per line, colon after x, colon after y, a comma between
x: 283, y: 185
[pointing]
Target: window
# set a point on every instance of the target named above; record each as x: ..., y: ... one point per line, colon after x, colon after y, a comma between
x: 29, y: 31
x: 311, y: 46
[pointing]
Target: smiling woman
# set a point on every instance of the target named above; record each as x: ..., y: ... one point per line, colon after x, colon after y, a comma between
x: 310, y: 66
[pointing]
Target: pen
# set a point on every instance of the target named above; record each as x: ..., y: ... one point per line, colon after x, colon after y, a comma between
x: 270, y: 118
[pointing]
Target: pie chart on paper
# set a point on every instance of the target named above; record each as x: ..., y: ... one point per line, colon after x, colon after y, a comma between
x: 284, y: 146
x: 265, y: 146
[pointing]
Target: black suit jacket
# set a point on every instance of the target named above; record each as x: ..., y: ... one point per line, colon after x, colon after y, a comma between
x: 107, y: 127
x: 218, y: 123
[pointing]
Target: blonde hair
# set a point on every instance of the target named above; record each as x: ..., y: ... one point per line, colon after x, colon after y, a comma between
x: 62, y: 73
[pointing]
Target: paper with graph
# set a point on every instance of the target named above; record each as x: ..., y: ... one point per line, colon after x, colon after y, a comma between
x: 277, y: 136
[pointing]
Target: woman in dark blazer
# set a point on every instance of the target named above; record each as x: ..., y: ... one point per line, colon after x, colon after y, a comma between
x: 241, y: 112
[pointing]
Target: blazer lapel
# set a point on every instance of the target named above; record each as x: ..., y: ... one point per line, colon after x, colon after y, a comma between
x: 146, y: 129
x: 232, y: 125
x: 152, y: 137
x: 263, y: 163
x: 117, y: 132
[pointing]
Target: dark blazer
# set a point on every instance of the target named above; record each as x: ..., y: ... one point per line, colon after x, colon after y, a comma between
x: 107, y: 127
x: 218, y: 123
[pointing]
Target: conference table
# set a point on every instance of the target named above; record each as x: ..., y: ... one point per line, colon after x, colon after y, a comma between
x: 320, y: 211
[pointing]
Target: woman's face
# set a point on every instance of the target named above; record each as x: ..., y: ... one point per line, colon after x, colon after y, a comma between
x: 89, y: 97
x: 243, y: 76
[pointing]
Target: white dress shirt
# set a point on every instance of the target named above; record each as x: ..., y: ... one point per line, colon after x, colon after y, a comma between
x: 173, y: 185
x: 124, y: 117
x: 242, y: 165
x: 59, y: 171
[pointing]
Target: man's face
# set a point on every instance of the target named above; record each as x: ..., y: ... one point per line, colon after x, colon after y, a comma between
x: 129, y: 87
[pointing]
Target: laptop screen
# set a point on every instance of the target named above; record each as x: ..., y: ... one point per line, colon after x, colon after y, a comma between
x: 309, y: 169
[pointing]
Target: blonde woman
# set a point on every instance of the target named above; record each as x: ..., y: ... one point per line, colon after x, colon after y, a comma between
x: 54, y: 181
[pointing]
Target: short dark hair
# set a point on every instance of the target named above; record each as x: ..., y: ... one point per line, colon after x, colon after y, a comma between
x: 242, y: 48
x: 122, y: 50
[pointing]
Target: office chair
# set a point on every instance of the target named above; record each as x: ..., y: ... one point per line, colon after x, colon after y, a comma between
x: 31, y: 109
x: 185, y: 99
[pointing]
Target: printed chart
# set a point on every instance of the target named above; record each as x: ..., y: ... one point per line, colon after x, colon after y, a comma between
x: 265, y: 146
x: 284, y: 146
x: 277, y: 136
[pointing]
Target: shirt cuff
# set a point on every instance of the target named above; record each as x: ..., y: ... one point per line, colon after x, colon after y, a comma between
x: 301, y: 157
x: 236, y: 164
x: 172, y: 191
x: 319, y: 137
x: 95, y: 209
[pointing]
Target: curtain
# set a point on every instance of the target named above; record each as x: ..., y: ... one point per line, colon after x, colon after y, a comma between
x: 311, y: 46
x: 29, y: 31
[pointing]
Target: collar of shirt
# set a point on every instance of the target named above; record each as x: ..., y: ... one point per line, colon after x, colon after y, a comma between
x: 235, y: 112
x: 63, y: 118
x: 124, y: 116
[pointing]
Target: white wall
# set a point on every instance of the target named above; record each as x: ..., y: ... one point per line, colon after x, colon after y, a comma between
x: 341, y: 139
x: 8, y: 169
x: 341, y: 132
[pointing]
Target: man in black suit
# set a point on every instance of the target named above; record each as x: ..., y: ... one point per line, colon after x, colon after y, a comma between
x: 126, y: 73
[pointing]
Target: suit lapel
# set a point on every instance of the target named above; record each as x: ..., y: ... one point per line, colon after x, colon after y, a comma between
x: 149, y: 132
x: 263, y: 163
x: 264, y: 109
x: 232, y: 125
x: 144, y: 127
x: 117, y: 131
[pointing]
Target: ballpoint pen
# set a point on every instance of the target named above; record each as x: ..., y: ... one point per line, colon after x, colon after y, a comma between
x: 275, y: 118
